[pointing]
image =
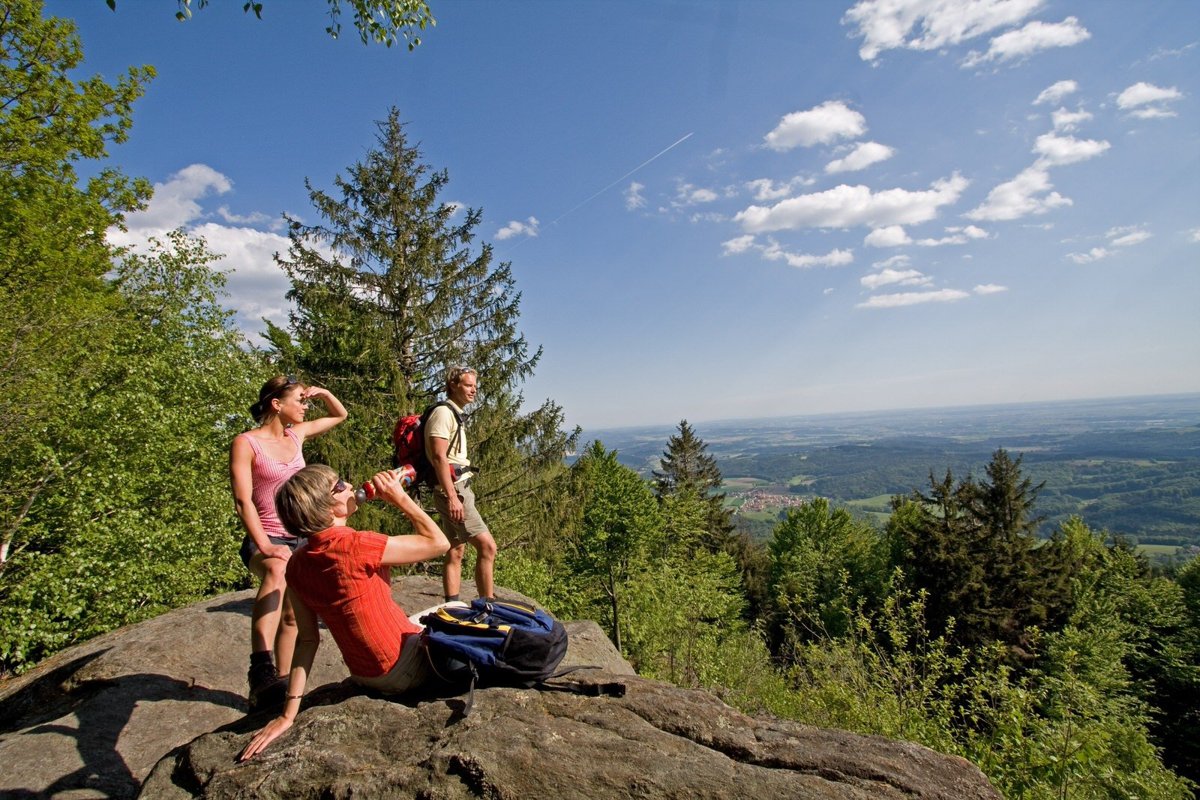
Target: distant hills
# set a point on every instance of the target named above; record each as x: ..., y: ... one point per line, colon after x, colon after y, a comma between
x: 1130, y: 466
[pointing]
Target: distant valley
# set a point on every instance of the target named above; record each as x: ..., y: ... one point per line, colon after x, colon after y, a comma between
x: 1130, y: 466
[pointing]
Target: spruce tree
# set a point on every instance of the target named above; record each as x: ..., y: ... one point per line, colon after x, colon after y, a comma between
x: 687, y: 467
x: 390, y: 291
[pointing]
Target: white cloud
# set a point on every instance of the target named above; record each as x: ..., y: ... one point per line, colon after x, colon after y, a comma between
x: 517, y: 228
x: 253, y: 218
x: 688, y: 195
x: 1152, y: 112
x: 894, y: 261
x: 1028, y: 193
x: 834, y: 258
x: 886, y: 24
x: 765, y: 189
x: 739, y: 245
x: 849, y: 206
x: 255, y: 284
x: 1034, y: 37
x: 956, y: 236
x: 828, y: 122
x: 1127, y: 237
x: 913, y: 298
x: 1095, y: 254
x: 1056, y: 151
x: 1056, y: 92
x: 1171, y: 52
x: 633, y: 196
x: 1065, y: 120
x: 894, y: 277
x: 1147, y: 101
x: 891, y: 236
x: 1194, y: 235
x: 895, y: 236
x: 861, y: 157
x: 989, y: 288
x: 174, y: 204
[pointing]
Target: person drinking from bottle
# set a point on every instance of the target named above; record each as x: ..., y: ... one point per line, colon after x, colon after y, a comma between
x: 342, y: 577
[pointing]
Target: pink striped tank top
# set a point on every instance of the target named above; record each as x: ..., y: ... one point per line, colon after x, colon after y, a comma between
x: 268, y: 475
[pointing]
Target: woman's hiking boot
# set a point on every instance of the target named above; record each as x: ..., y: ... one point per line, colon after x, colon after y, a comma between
x: 267, y: 689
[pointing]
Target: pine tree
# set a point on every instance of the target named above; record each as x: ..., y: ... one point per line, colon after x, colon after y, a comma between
x: 687, y: 467
x: 971, y: 546
x: 389, y: 292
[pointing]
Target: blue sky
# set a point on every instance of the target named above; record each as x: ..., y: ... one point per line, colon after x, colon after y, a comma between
x: 720, y: 210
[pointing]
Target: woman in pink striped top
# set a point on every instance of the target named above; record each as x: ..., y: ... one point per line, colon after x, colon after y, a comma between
x: 259, y: 462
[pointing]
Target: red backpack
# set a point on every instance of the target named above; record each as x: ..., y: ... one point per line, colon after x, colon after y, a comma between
x: 408, y: 442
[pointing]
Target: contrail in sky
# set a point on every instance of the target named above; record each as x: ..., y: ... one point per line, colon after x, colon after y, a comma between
x: 623, y: 177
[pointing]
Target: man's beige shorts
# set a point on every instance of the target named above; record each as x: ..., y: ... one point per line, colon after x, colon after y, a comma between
x: 472, y: 524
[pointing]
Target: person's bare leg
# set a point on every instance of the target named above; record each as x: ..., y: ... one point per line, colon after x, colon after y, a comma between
x: 452, y: 570
x: 485, y: 563
x: 285, y: 639
x: 268, y: 603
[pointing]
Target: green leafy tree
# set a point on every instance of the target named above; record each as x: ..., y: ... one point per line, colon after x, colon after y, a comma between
x: 620, y: 526
x: 824, y: 564
x: 142, y: 521
x: 389, y: 292
x: 57, y: 327
x: 687, y: 601
x: 383, y: 21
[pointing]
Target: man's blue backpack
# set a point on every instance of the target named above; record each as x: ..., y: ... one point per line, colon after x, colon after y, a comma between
x: 493, y: 644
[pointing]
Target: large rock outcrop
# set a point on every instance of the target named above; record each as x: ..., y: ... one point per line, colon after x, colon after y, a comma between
x: 158, y: 709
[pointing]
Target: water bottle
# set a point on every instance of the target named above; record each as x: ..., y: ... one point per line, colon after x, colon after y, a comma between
x: 406, y: 473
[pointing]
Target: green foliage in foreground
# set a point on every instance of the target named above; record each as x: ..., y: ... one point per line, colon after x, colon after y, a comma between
x: 140, y: 522
x: 1101, y: 702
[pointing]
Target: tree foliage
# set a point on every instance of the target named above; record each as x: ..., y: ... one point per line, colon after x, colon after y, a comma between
x: 389, y: 292
x: 620, y: 526
x: 971, y: 546
x: 686, y: 466
x: 56, y: 328
x: 382, y: 21
x: 140, y: 521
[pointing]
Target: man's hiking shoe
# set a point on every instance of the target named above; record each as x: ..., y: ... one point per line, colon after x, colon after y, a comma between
x: 267, y: 689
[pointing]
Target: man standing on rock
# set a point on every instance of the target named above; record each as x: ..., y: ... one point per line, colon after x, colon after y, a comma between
x: 343, y: 577
x: 446, y: 449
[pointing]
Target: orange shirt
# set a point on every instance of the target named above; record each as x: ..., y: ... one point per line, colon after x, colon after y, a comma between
x: 339, y: 576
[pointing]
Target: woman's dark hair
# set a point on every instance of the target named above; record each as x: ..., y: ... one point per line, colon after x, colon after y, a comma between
x: 276, y: 387
x: 304, y: 502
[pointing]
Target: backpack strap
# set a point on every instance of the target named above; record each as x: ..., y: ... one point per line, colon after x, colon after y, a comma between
x: 458, y: 418
x: 588, y: 689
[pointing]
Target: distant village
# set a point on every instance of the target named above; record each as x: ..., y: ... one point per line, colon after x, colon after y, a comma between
x: 759, y: 500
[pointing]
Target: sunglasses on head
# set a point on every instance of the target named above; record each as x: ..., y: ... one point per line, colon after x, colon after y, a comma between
x: 291, y: 381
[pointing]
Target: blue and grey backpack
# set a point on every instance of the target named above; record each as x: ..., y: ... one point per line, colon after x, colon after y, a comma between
x: 493, y: 644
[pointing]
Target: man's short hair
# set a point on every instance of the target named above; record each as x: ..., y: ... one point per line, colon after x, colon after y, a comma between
x: 304, y: 502
x: 454, y: 375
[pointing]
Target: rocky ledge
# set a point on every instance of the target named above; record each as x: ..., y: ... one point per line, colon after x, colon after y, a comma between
x: 156, y: 710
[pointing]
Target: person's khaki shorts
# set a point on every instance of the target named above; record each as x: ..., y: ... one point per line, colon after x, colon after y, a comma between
x: 472, y: 524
